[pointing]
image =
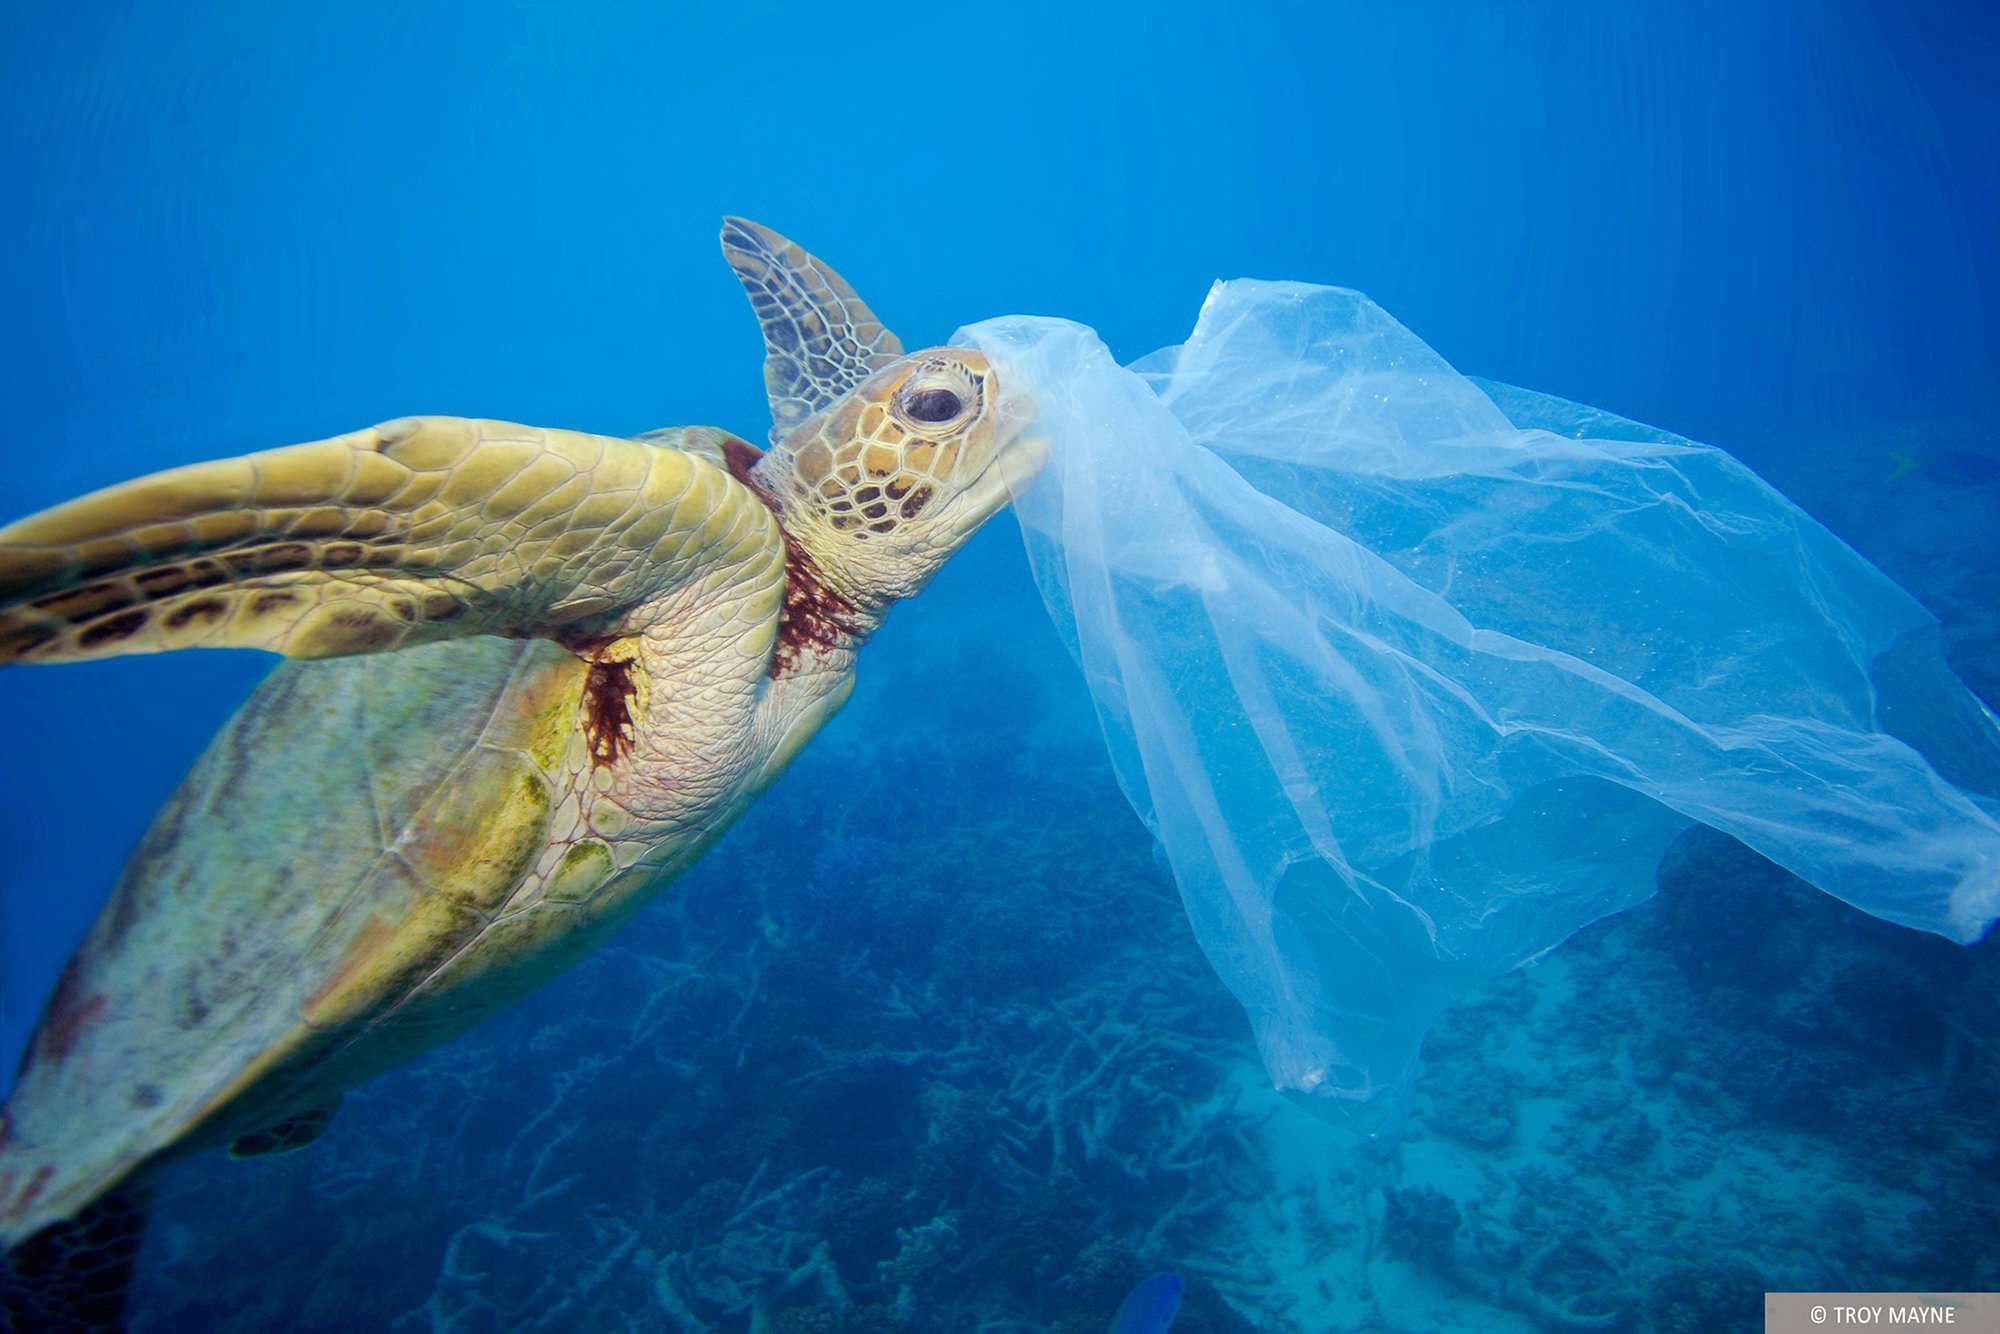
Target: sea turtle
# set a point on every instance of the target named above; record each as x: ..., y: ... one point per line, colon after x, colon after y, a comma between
x: 549, y: 670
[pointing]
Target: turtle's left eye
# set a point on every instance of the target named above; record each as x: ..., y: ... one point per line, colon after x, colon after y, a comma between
x: 933, y: 405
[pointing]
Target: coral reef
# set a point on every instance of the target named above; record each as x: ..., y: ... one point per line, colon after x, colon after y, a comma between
x: 949, y: 1076
x: 926, y: 1044
x: 1740, y: 1086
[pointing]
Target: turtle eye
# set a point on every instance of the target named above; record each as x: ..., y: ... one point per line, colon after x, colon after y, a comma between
x: 932, y: 405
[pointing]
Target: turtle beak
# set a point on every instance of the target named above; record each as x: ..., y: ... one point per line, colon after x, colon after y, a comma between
x: 1023, y: 449
x: 1019, y: 451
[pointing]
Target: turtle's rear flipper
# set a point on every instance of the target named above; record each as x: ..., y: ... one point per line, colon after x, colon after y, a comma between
x: 292, y: 1133
x: 71, y: 1277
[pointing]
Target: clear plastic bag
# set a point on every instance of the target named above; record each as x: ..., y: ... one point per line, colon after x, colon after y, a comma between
x: 1414, y: 677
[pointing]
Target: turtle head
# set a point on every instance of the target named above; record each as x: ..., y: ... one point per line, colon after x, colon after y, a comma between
x: 881, y: 464
x: 895, y: 475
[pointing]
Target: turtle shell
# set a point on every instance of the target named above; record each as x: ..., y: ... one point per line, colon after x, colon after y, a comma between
x: 287, y: 926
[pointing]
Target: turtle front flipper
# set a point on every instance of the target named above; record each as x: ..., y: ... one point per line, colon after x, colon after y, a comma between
x: 421, y: 529
x: 820, y: 339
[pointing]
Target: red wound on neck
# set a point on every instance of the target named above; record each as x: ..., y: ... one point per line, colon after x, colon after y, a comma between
x: 741, y: 456
x: 813, y: 614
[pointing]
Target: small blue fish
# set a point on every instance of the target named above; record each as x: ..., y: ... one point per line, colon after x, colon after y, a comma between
x: 1150, y: 1308
x: 1958, y: 466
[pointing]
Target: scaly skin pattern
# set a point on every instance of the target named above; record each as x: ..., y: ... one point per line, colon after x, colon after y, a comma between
x: 420, y: 529
x: 821, y: 339
x: 554, y: 668
x: 380, y: 850
x: 882, y: 497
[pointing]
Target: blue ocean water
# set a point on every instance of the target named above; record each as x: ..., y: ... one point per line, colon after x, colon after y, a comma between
x: 926, y: 1044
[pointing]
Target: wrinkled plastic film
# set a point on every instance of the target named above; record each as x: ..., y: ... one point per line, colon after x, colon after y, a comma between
x: 1412, y: 677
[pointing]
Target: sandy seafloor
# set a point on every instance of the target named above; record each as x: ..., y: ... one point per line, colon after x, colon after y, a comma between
x: 937, y: 1052
x: 925, y: 1046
